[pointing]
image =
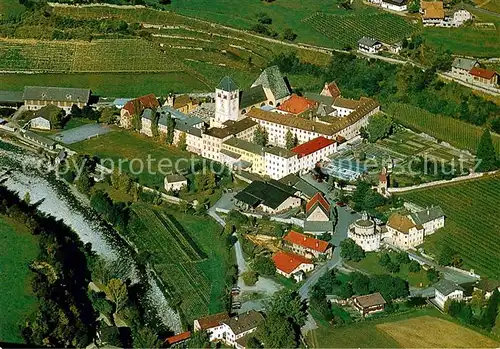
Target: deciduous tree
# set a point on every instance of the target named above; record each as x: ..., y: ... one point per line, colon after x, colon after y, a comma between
x: 117, y: 292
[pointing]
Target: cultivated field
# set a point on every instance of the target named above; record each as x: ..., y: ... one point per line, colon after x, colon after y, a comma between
x: 431, y: 332
x: 472, y: 223
x: 458, y: 133
x: 111, y: 84
x: 188, y: 256
x: 346, y: 30
x: 10, y: 8
x: 16, y: 299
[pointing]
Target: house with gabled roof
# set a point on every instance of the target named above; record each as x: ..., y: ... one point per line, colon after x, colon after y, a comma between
x: 331, y: 90
x: 462, y: 66
x: 37, y: 97
x: 369, y: 45
x: 307, y: 246
x: 212, y: 324
x: 318, y: 208
x: 447, y: 290
x: 135, y: 107
x: 233, y: 331
x: 484, y: 77
x: 431, y: 219
x: 292, y: 265
x: 318, y: 216
x: 274, y: 84
x: 369, y: 304
x: 404, y: 232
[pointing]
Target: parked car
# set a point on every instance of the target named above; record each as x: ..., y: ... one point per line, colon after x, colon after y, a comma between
x: 341, y: 204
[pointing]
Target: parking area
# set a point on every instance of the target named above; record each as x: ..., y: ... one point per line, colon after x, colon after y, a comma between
x: 81, y: 133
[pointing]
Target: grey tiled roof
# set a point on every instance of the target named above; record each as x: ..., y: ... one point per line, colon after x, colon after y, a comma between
x: 245, y: 145
x: 174, y: 178
x: 271, y: 78
x: 227, y: 84
x: 56, y: 94
x: 427, y: 215
x: 464, y: 63
x: 366, y: 41
x: 252, y: 96
x: 445, y: 287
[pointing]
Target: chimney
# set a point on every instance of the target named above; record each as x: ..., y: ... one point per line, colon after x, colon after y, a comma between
x: 317, y: 243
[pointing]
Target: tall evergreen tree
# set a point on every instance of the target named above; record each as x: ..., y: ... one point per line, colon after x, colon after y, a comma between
x: 170, y: 129
x: 486, y: 154
x: 489, y: 315
x: 289, y: 140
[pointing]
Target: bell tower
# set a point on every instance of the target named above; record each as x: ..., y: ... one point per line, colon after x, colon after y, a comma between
x: 227, y: 102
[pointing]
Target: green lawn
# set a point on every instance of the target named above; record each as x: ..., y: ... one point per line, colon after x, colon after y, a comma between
x: 16, y: 299
x: 192, y: 264
x: 133, y: 149
x: 370, y: 264
x: 111, y: 84
x: 471, y: 226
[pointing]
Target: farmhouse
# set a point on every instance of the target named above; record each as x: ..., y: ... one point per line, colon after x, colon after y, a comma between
x: 36, y: 97
x: 433, y: 14
x: 175, y: 182
x: 365, y: 233
x: 40, y: 123
x: 462, y: 66
x: 445, y: 290
x: 274, y: 84
x: 484, y: 77
x: 213, y: 324
x: 404, y: 232
x: 135, y: 107
x: 369, y: 45
x: 394, y: 5
x: 307, y: 246
x: 237, y: 328
x: 369, y: 304
x: 292, y: 265
x: 270, y: 197
x: 487, y: 286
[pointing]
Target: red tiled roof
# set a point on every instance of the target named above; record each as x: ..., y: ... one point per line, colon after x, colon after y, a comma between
x: 178, y: 338
x: 297, y: 104
x: 482, y: 73
x: 306, y: 241
x: 212, y: 320
x: 312, y: 146
x: 318, y: 198
x: 137, y: 105
x: 288, y: 262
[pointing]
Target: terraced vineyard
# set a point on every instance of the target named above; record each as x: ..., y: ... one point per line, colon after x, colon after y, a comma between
x: 36, y: 55
x: 346, y: 30
x: 472, y: 224
x: 177, y: 259
x: 125, y: 55
x: 456, y: 132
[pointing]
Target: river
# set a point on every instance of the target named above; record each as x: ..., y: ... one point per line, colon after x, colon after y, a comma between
x: 58, y: 200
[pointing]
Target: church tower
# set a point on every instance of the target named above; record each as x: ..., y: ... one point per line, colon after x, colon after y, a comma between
x: 227, y: 102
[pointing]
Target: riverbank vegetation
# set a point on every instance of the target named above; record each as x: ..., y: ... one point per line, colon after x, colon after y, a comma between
x: 17, y: 300
x: 64, y: 315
